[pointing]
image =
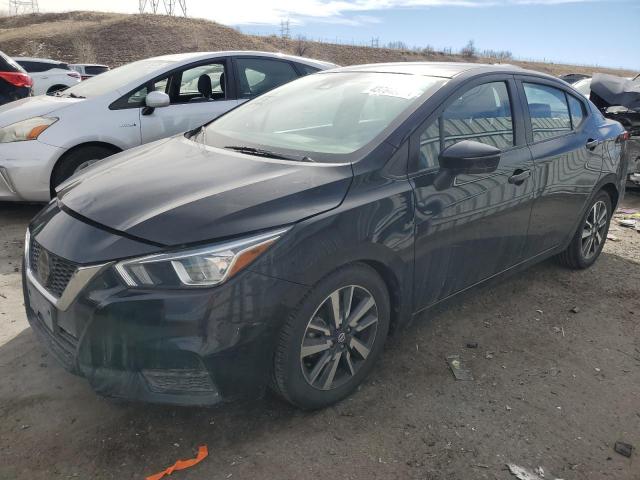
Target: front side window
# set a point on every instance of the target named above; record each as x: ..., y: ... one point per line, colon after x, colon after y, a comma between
x: 327, y: 113
x: 136, y: 99
x: 201, y: 83
x: 259, y: 75
x: 548, y: 110
x: 482, y: 114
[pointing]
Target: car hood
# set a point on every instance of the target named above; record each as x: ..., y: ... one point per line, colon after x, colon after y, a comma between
x: 177, y: 192
x: 610, y: 91
x: 30, y: 107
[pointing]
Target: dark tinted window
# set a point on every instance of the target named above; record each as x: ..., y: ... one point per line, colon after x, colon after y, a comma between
x: 258, y: 75
x: 482, y: 114
x: 32, y: 66
x: 577, y: 111
x: 306, y: 69
x: 7, y: 64
x: 548, y: 110
x: 95, y: 70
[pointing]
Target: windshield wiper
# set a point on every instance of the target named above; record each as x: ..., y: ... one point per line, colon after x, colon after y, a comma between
x: 258, y: 152
x: 73, y: 95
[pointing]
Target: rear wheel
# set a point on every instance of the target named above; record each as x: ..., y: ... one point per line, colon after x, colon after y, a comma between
x: 76, y: 160
x: 56, y: 88
x: 333, y: 340
x: 589, y: 239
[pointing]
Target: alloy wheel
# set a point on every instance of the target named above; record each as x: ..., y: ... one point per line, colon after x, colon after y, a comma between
x: 594, y: 229
x: 339, y: 337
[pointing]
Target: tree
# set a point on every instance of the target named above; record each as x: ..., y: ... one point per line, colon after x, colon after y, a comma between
x: 469, y: 51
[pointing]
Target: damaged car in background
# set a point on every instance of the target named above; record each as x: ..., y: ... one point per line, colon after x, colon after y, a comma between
x: 618, y: 98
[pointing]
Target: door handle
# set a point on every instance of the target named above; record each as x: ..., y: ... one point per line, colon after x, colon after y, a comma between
x: 519, y: 176
x: 592, y: 144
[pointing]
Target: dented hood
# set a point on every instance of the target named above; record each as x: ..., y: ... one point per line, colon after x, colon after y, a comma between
x: 616, y: 91
x: 176, y: 192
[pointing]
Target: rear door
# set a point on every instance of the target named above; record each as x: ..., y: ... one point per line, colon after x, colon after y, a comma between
x: 567, y: 159
x: 189, y: 106
x: 477, y: 226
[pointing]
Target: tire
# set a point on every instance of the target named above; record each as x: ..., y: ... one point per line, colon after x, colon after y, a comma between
x: 577, y: 255
x: 56, y: 88
x: 71, y: 161
x: 304, y: 381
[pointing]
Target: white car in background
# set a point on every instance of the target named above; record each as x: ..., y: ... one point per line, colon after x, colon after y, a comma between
x: 88, y: 70
x: 49, y: 76
x: 46, y: 139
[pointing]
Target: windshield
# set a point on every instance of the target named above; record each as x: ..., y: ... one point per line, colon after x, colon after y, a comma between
x: 331, y: 113
x: 114, y: 79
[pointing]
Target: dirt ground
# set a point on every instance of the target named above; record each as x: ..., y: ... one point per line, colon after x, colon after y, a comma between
x: 553, y: 389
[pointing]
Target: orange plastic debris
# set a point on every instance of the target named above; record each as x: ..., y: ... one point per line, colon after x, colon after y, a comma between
x: 182, y: 464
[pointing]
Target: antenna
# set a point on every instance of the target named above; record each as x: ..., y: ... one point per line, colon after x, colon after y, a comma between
x: 169, y: 6
x: 19, y: 7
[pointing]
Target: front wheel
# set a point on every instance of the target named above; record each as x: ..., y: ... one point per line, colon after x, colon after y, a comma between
x: 331, y: 343
x: 76, y: 160
x: 589, y: 239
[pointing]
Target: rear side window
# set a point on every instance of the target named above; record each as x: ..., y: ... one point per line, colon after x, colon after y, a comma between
x: 576, y: 110
x: 95, y: 70
x: 548, y: 110
x: 37, y: 67
x: 258, y: 75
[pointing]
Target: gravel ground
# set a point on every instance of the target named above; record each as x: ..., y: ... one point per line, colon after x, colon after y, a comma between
x: 554, y: 388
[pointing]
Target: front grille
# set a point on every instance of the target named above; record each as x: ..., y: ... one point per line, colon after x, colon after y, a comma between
x: 54, y: 272
x: 178, y: 381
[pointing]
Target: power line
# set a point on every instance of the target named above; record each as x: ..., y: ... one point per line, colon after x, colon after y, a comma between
x: 170, y: 6
x: 19, y: 7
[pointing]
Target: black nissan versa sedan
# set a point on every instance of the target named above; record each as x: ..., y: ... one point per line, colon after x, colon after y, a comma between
x: 278, y: 245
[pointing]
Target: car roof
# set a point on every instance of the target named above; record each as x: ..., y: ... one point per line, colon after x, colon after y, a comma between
x: 195, y: 56
x: 34, y: 59
x: 88, y: 65
x: 439, y: 69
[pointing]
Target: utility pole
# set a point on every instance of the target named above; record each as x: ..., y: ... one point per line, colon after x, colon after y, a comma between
x: 19, y: 7
x: 375, y: 42
x: 169, y: 6
x: 284, y: 29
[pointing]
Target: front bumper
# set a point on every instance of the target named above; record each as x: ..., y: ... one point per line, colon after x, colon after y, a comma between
x: 183, y: 347
x: 25, y: 170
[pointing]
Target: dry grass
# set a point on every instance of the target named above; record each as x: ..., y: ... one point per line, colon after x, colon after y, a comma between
x: 115, y: 39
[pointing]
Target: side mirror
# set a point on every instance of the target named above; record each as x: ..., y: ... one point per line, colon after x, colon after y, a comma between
x: 470, y: 157
x: 157, y: 100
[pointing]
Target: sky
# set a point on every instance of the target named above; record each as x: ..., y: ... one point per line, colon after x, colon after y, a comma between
x: 593, y: 32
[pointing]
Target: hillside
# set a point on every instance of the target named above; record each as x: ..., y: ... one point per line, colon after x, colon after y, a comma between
x: 114, y: 39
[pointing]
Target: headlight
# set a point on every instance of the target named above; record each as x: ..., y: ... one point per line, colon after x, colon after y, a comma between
x: 26, y: 129
x: 200, y: 267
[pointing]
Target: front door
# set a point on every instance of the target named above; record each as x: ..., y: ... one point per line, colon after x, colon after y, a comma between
x: 477, y: 226
x: 198, y: 94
